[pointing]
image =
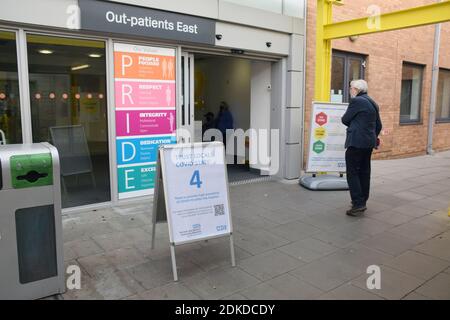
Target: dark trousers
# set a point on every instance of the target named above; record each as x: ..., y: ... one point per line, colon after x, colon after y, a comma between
x: 358, y: 174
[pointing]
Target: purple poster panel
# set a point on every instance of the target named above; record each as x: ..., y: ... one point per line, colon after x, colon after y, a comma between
x: 145, y: 122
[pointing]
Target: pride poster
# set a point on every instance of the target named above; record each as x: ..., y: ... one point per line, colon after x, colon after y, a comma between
x: 144, y: 122
x: 145, y: 102
x: 144, y: 94
x: 136, y: 179
x: 140, y: 150
x: 131, y: 65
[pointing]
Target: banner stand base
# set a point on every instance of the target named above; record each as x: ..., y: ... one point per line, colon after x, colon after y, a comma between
x: 324, y: 182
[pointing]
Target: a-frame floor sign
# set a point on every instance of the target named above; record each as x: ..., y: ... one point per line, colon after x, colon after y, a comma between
x: 191, y: 194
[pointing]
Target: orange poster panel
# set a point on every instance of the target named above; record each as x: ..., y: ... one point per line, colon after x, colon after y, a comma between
x: 143, y: 66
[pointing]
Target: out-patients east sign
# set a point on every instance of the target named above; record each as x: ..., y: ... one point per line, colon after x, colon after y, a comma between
x: 107, y: 16
x: 144, y: 87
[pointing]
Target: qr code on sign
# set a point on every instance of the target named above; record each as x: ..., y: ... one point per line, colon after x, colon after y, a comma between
x: 219, y: 210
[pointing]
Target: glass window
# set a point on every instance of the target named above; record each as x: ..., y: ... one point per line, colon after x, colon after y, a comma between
x: 10, y: 122
x: 268, y: 5
x: 294, y: 8
x: 337, y: 78
x: 443, y: 96
x: 345, y: 67
x: 69, y: 109
x: 411, y: 93
x: 354, y: 69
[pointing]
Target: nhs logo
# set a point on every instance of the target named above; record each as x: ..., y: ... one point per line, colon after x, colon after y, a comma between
x: 221, y: 228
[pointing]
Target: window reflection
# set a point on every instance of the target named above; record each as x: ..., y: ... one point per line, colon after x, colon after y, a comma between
x: 268, y: 5
x: 68, y: 106
x: 443, y: 96
x: 411, y: 93
x: 337, y: 78
x: 10, y: 123
x: 294, y: 8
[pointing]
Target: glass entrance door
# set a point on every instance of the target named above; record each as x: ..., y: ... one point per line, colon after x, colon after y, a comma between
x: 67, y: 79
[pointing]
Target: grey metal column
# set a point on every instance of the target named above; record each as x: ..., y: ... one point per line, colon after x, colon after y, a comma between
x: 24, y: 86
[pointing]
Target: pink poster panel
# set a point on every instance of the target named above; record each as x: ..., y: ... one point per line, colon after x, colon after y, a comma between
x: 144, y: 122
x: 144, y: 94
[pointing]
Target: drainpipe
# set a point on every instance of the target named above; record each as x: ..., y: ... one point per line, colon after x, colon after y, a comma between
x: 434, y: 83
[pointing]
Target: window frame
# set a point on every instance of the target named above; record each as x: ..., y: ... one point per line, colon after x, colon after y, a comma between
x: 420, y: 120
x: 442, y: 120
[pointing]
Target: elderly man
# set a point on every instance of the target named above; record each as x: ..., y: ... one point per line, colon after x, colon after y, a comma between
x: 364, y: 125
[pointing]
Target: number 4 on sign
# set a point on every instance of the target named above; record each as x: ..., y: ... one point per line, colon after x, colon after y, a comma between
x: 195, y: 179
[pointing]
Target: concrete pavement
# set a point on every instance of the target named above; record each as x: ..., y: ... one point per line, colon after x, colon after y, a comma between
x: 290, y: 243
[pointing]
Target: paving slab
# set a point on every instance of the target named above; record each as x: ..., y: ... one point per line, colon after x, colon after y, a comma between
x: 294, y: 231
x: 83, y: 248
x: 391, y: 217
x: 221, y: 282
x: 418, y: 265
x: 308, y: 250
x: 121, y: 239
x: 328, y: 222
x: 411, y: 210
x: 415, y: 231
x: 258, y: 241
x: 438, y: 247
x: 256, y: 221
x: 269, y: 264
x: 326, y: 273
x: 236, y: 296
x: 389, y: 243
x: 394, y: 284
x: 339, y: 239
x: 116, y: 285
x: 213, y: 255
x: 171, y: 291
x: 437, y: 288
x: 416, y: 296
x: 153, y: 274
x: 349, y: 292
x: 282, y: 216
x: 285, y: 287
x: 431, y: 204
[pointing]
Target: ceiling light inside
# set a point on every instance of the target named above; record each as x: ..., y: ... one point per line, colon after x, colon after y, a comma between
x: 95, y: 55
x: 45, y: 51
x: 83, y: 66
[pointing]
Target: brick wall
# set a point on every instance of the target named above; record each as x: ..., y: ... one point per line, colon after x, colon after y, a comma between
x: 386, y: 51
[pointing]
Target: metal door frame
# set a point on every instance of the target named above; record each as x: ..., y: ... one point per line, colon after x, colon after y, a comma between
x: 186, y: 107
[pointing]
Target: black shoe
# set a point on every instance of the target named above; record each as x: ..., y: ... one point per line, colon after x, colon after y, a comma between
x: 356, y: 211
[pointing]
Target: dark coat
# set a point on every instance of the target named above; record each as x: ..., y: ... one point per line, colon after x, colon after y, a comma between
x: 224, y: 121
x: 363, y: 121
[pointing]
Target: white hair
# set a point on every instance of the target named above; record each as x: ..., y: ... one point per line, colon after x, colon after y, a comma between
x: 360, y: 85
